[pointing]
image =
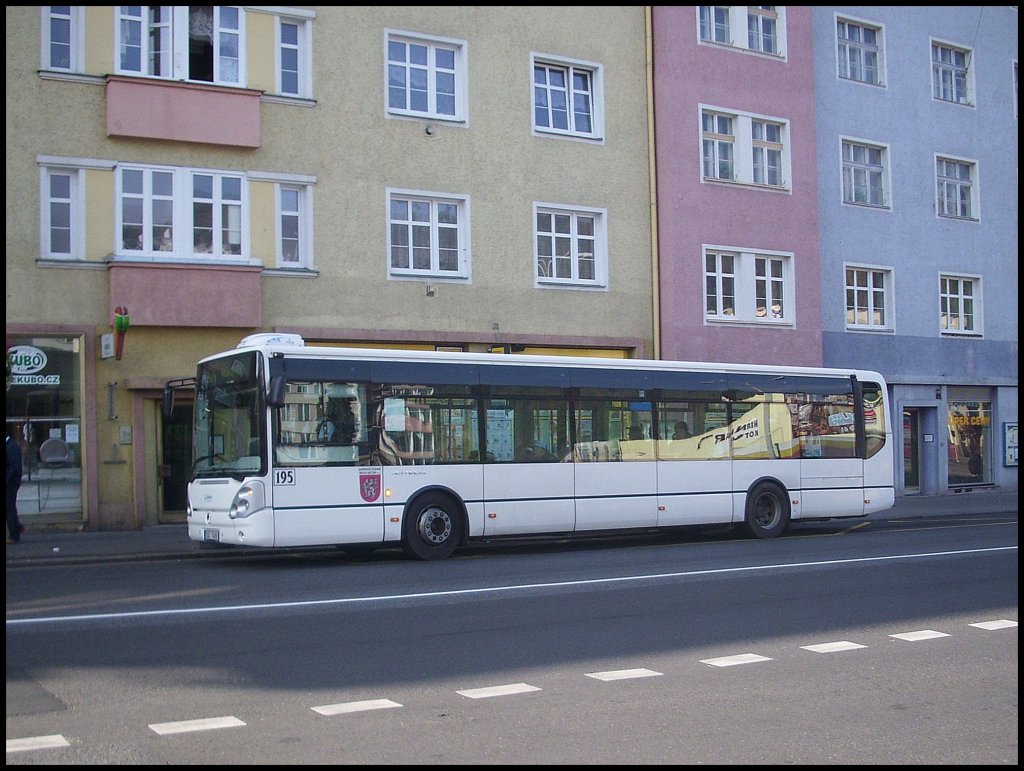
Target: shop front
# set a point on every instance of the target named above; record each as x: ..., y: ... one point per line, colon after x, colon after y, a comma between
x: 44, y: 415
x: 956, y: 438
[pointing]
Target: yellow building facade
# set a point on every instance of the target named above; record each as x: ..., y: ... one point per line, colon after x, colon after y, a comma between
x: 455, y: 177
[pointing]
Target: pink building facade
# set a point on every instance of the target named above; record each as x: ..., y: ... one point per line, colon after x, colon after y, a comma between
x: 737, y: 184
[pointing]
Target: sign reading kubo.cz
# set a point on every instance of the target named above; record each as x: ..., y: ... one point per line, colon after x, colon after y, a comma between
x: 27, y: 365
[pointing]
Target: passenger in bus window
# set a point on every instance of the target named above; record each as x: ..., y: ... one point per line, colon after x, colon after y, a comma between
x: 682, y: 431
x: 325, y: 433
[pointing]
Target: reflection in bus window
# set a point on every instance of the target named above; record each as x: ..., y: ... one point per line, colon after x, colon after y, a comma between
x: 527, y: 429
x: 321, y: 423
x: 424, y: 425
x: 824, y: 424
x: 874, y: 418
x: 613, y: 429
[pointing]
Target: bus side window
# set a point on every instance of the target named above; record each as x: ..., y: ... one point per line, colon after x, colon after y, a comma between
x: 874, y: 418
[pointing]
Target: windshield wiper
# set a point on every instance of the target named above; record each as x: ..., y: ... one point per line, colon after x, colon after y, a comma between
x: 212, y: 456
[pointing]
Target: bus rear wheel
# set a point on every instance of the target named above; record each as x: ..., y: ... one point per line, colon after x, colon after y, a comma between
x: 433, y: 527
x: 767, y: 512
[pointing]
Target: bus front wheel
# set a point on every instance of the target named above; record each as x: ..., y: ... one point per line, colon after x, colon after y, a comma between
x: 432, y: 528
x: 767, y: 512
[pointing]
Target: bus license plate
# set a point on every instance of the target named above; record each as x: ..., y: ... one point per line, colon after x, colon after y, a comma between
x: 211, y: 535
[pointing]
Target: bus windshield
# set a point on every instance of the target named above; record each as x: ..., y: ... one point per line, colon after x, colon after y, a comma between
x: 229, y: 438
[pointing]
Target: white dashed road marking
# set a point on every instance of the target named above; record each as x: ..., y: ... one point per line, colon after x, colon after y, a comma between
x: 355, y: 706
x: 1002, y: 623
x: 497, y: 690
x: 731, y: 661
x: 924, y: 634
x: 36, y: 743
x: 206, y: 724
x: 832, y: 647
x: 203, y: 724
x: 622, y: 674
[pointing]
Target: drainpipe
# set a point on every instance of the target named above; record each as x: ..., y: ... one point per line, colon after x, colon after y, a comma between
x: 653, y: 177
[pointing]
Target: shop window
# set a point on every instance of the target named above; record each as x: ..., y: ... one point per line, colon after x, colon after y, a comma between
x: 44, y: 414
x: 970, y: 442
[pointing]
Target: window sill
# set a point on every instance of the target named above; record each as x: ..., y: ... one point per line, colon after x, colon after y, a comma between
x: 781, y: 56
x: 292, y: 99
x: 738, y: 321
x: 746, y: 185
x: 450, y: 278
x: 71, y: 262
x: 548, y: 283
x: 859, y: 82
x: 871, y: 330
x: 447, y: 119
x: 956, y: 102
x: 283, y: 272
x: 166, y: 258
x: 549, y: 133
x: 870, y: 206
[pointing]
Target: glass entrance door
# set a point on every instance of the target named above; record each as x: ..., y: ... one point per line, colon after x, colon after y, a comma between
x: 176, y: 470
x: 911, y: 450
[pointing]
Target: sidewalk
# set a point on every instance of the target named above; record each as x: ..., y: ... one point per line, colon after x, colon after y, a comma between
x: 171, y: 541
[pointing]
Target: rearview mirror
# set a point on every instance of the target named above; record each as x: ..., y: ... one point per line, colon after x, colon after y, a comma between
x: 276, y: 394
x: 168, y: 400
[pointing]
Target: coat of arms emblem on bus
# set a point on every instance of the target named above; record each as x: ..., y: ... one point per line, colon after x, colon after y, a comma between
x: 369, y: 484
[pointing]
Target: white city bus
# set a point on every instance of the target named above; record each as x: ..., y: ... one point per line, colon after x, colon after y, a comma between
x: 298, y: 445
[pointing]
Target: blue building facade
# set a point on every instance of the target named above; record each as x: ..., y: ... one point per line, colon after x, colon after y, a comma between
x: 917, y: 149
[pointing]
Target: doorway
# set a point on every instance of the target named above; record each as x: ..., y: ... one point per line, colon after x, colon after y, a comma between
x: 911, y: 450
x: 176, y: 468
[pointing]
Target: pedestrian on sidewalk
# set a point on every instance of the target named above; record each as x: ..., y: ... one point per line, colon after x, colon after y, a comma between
x: 14, y: 526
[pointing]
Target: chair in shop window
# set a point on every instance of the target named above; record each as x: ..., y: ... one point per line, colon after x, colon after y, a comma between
x: 54, y: 453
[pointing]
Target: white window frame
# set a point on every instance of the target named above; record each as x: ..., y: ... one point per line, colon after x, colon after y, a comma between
x: 565, y: 221
x: 766, y: 152
x: 713, y: 24
x: 738, y: 27
x: 76, y: 169
x: 175, y: 44
x: 182, y: 226
x: 749, y: 284
x: 868, y: 307
x: 461, y: 230
x: 762, y: 27
x: 953, y: 298
x: 718, y: 146
x: 74, y: 42
x: 946, y: 85
x: 303, y: 48
x: 853, y: 170
x: 459, y: 72
x: 293, y: 224
x: 944, y: 183
x: 855, y: 52
x: 744, y: 149
x: 570, y: 68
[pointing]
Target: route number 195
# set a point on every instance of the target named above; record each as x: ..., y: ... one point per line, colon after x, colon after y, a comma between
x: 284, y: 476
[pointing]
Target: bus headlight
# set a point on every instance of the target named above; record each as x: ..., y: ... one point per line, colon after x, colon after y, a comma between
x: 248, y: 500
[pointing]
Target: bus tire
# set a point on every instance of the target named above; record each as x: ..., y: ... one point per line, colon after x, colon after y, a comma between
x: 432, y: 528
x: 767, y: 511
